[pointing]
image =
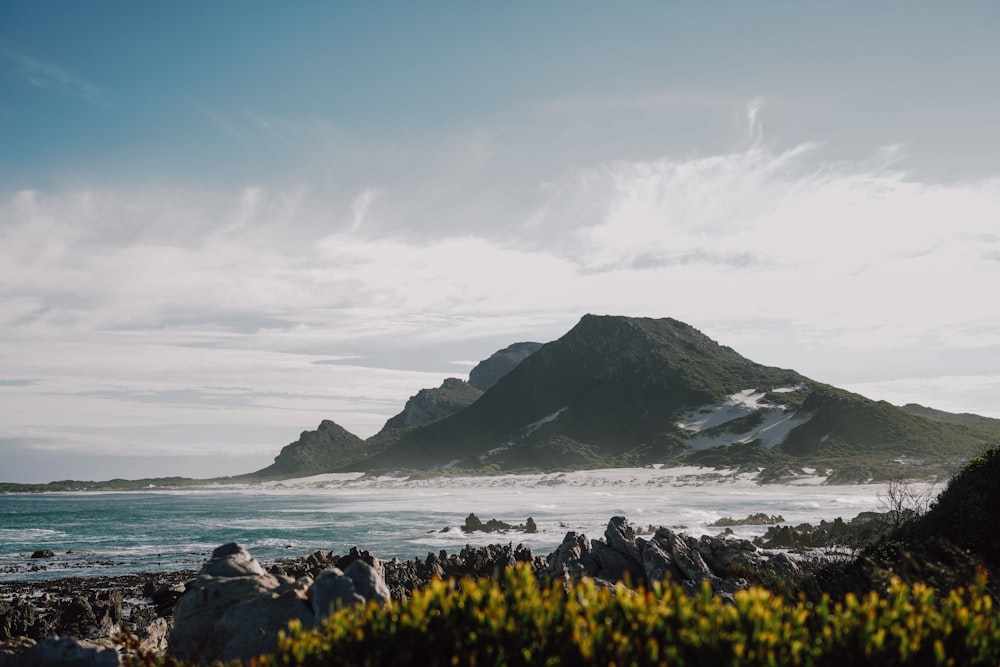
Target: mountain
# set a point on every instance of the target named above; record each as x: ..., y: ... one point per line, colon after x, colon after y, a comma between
x: 622, y: 391
x: 611, y: 388
x: 331, y: 447
x: 429, y: 405
x: 985, y: 425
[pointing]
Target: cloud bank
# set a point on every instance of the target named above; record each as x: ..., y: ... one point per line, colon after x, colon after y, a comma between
x: 220, y: 322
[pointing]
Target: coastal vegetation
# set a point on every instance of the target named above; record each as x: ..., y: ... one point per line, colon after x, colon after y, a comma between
x: 513, y: 621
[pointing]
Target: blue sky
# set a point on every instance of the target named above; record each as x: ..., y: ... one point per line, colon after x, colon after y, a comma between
x: 223, y: 223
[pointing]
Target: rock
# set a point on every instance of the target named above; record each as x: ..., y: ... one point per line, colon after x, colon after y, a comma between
x: 727, y: 555
x: 782, y: 565
x: 232, y: 560
x: 612, y: 565
x: 154, y: 636
x: 11, y: 650
x: 619, y: 557
x: 572, y: 557
x: 165, y: 597
x: 474, y: 524
x: 67, y: 652
x: 344, y: 563
x: 331, y: 591
x: 43, y: 553
x: 657, y: 563
x: 756, y: 519
x: 17, y: 618
x: 621, y: 537
x: 77, y: 617
x: 334, y: 588
x: 688, y: 559
x: 233, y: 609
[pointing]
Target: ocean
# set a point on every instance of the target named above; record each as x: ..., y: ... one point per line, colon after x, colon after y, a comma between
x: 97, y: 534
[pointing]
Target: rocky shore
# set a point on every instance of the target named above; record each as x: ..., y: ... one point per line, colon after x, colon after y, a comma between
x: 234, y: 606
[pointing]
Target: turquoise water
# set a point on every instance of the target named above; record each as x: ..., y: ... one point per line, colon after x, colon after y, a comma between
x: 116, y: 533
x: 101, y: 533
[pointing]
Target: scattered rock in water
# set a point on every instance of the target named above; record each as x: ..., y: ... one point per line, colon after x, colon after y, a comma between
x: 473, y: 524
x: 757, y: 519
x: 43, y: 553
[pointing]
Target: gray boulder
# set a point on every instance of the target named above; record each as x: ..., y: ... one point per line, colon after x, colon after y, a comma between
x: 657, y: 563
x: 234, y: 609
x: 620, y: 536
x: 67, y: 652
x: 782, y: 565
x: 618, y: 556
x: 358, y: 584
x: 728, y: 555
x: 612, y: 565
x: 684, y: 554
x: 572, y: 557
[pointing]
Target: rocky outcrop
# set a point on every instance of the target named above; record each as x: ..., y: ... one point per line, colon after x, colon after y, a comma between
x: 234, y: 609
x: 473, y: 524
x: 489, y: 371
x: 430, y: 405
x: 622, y: 556
x: 357, y: 584
x: 755, y: 519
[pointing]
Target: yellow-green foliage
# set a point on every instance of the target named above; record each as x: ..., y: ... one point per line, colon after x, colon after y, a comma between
x: 515, y: 622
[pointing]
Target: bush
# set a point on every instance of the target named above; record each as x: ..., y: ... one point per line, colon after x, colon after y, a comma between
x: 514, y: 621
x: 965, y: 513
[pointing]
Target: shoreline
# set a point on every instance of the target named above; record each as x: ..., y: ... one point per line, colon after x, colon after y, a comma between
x: 655, y: 473
x: 92, y: 609
x: 401, y: 516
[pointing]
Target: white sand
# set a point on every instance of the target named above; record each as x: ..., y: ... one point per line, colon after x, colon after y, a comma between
x: 683, y: 476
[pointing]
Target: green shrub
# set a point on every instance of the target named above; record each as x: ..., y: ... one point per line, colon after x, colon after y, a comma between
x: 514, y: 621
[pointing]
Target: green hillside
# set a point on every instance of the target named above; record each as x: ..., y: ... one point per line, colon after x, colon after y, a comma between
x: 622, y: 391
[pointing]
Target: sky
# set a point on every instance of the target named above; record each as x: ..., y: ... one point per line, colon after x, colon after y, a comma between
x: 221, y: 223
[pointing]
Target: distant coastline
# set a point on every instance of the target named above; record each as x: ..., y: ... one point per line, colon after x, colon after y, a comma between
x: 663, y: 474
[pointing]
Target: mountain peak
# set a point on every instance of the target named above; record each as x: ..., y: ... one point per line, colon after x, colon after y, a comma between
x: 489, y: 371
x: 609, y: 385
x: 326, y: 449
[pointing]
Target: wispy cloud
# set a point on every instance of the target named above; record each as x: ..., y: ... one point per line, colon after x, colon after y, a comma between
x: 53, y: 78
x: 220, y: 120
